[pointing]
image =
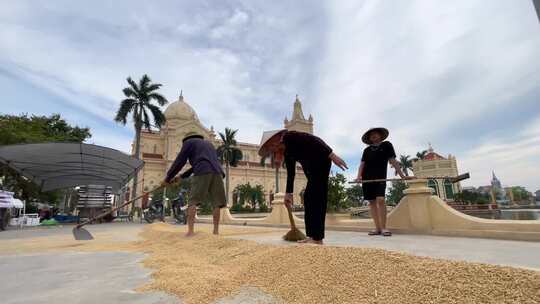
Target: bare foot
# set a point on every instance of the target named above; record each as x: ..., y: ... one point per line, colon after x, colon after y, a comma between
x: 304, y: 240
x: 189, y: 234
x: 311, y: 241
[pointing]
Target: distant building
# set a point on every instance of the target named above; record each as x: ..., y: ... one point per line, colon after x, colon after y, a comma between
x: 484, y: 190
x: 158, y: 150
x: 436, y: 165
x: 501, y: 194
x: 495, y: 182
x: 537, y: 195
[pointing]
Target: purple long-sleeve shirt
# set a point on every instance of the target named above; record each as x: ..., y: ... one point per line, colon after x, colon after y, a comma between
x: 201, y: 155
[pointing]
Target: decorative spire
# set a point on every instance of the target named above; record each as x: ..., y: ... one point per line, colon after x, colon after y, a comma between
x: 430, y: 149
x: 298, y: 121
x: 298, y: 113
x: 181, y: 98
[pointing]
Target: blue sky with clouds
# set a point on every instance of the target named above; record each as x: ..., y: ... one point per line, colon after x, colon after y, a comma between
x: 463, y: 75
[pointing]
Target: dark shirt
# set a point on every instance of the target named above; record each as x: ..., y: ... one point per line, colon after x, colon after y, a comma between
x: 309, y: 150
x: 201, y: 155
x: 376, y: 159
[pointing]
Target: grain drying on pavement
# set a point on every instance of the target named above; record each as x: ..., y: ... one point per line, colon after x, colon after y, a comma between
x: 205, y: 268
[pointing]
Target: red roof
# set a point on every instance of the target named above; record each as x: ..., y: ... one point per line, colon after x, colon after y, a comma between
x: 433, y: 156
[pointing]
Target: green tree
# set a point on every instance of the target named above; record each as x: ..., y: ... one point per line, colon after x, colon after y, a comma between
x: 471, y: 197
x: 520, y: 194
x: 24, y: 129
x: 337, y: 195
x: 229, y: 153
x: 420, y: 155
x: 406, y: 164
x: 138, y: 102
x: 253, y: 195
x: 355, y: 194
x: 395, y: 193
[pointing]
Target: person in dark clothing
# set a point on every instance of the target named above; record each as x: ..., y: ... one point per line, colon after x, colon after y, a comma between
x: 316, y: 158
x: 374, y: 165
x: 207, y: 183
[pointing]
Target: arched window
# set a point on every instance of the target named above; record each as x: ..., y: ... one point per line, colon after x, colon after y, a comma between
x: 433, y: 184
x: 449, y: 189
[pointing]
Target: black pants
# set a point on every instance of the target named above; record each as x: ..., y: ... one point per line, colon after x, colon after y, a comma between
x: 316, y: 199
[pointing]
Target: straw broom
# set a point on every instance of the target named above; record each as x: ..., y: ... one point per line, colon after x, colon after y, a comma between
x: 294, y: 235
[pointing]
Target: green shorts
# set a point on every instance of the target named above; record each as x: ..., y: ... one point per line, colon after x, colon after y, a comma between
x: 208, y: 188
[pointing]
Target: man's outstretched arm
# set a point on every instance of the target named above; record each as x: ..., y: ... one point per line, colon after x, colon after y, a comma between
x: 179, y: 162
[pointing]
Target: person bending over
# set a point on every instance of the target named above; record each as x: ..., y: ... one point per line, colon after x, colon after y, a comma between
x: 315, y: 156
x: 207, y: 182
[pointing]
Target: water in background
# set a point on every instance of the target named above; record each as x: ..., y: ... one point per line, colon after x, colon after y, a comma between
x: 513, y: 214
x: 520, y: 214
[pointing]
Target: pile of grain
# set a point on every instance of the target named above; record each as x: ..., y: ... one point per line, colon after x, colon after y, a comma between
x: 204, y: 268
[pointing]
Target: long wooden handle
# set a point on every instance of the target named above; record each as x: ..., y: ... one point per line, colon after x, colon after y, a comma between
x: 451, y: 178
x: 291, y: 218
x: 377, y: 180
x: 104, y: 214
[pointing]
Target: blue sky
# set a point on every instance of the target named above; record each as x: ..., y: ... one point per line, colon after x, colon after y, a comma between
x: 463, y: 75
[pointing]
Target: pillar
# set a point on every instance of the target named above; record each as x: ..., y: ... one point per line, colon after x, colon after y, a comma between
x: 418, y: 197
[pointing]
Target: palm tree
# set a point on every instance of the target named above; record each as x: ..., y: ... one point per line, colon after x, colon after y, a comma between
x: 420, y: 155
x: 406, y: 164
x: 229, y: 153
x: 138, y: 101
x: 263, y: 164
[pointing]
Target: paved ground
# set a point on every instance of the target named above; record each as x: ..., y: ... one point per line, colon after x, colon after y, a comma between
x: 110, y: 277
x: 501, y: 252
x: 104, y: 277
x: 87, y: 277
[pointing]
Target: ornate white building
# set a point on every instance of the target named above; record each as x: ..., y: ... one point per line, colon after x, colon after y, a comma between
x: 159, y: 150
x: 436, y: 165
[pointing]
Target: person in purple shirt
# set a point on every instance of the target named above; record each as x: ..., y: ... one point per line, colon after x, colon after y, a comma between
x: 207, y: 183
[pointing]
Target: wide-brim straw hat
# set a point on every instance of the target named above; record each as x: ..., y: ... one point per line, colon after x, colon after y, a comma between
x: 269, y: 142
x: 192, y: 134
x: 383, y: 131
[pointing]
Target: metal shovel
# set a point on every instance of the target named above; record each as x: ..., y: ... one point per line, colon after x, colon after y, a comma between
x: 81, y: 234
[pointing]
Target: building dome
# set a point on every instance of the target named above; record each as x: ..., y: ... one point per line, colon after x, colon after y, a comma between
x: 180, y: 110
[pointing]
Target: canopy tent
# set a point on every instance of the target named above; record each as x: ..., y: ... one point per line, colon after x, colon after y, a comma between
x: 18, y: 204
x: 61, y: 165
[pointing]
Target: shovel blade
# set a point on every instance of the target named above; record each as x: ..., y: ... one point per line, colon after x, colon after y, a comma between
x: 81, y: 234
x: 461, y: 177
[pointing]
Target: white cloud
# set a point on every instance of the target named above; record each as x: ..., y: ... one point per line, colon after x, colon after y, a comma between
x: 423, y: 67
x: 515, y: 160
x: 231, y: 26
x: 420, y: 68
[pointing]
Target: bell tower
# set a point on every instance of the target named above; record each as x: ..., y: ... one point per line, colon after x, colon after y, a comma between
x: 298, y: 122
